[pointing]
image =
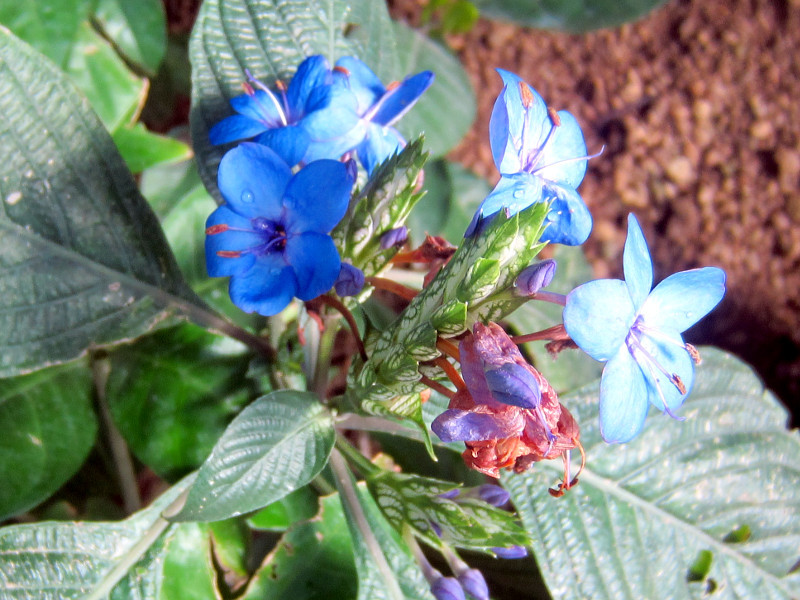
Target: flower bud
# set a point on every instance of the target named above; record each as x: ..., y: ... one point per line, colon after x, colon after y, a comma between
x: 447, y: 588
x: 511, y: 552
x: 350, y: 280
x: 394, y: 237
x: 534, y: 277
x: 474, y: 584
x: 493, y: 494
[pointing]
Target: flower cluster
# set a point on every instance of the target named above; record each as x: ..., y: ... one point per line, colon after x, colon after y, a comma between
x: 271, y: 237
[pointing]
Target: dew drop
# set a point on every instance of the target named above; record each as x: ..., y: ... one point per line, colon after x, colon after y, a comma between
x: 517, y: 194
x: 13, y: 198
x: 247, y: 196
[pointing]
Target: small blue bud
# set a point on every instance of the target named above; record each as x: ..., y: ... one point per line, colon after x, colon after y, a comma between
x: 534, y: 277
x: 447, y: 588
x: 493, y: 494
x: 474, y: 584
x: 394, y: 237
x: 350, y: 280
x: 450, y: 494
x: 511, y: 552
x: 352, y: 169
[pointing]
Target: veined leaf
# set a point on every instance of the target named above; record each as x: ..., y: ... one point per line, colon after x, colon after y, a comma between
x: 274, y: 446
x: 139, y: 30
x: 83, y: 261
x: 643, y: 512
x: 48, y: 429
x: 270, y: 38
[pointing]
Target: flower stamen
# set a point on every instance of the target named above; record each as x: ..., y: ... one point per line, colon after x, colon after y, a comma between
x: 270, y: 95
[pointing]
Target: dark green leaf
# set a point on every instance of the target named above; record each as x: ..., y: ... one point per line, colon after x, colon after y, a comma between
x: 313, y: 560
x: 642, y: 512
x: 82, y: 257
x: 570, y: 15
x: 48, y: 429
x: 571, y: 368
x: 300, y: 505
x: 276, y: 445
x: 138, y: 29
x: 66, y: 561
x: 446, y: 110
x: 270, y: 38
x: 142, y: 149
x: 173, y: 393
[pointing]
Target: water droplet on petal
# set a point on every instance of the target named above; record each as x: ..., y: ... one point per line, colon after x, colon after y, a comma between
x: 518, y: 194
x: 247, y: 196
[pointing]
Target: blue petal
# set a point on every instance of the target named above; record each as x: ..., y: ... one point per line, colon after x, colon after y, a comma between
x: 335, y: 147
x: 317, y: 197
x: 684, y: 298
x: 398, y: 101
x: 252, y: 178
x: 259, y: 107
x: 513, y: 193
x: 455, y: 425
x: 623, y: 399
x: 231, y: 241
x: 598, y: 316
x: 503, y: 151
x: 312, y: 73
x: 379, y: 144
x: 513, y: 384
x: 234, y: 128
x: 332, y: 115
x: 569, y: 222
x: 290, y: 143
x: 557, y: 160
x: 667, y: 351
x: 637, y: 264
x: 361, y: 81
x: 315, y: 261
x: 266, y: 288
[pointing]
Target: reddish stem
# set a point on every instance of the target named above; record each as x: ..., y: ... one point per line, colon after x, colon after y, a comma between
x: 554, y: 333
x: 435, y: 385
x: 351, y: 322
x: 395, y: 288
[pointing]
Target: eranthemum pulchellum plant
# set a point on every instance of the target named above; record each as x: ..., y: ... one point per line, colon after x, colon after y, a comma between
x: 349, y: 325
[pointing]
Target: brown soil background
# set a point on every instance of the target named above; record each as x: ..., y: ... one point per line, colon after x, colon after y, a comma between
x: 697, y: 106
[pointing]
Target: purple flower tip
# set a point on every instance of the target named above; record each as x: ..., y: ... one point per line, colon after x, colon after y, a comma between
x: 447, y: 588
x: 350, y: 280
x: 450, y: 494
x: 394, y: 237
x: 352, y: 169
x: 511, y: 552
x: 534, y: 277
x: 474, y: 584
x: 493, y: 494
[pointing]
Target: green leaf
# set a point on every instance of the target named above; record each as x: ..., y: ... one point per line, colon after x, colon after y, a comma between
x: 50, y: 27
x: 48, y: 429
x: 570, y: 15
x: 300, y: 505
x: 65, y: 561
x: 188, y: 573
x: 276, y: 445
x: 138, y: 29
x: 643, y: 512
x: 113, y: 91
x: 571, y: 369
x: 173, y: 393
x: 82, y: 258
x: 142, y: 149
x: 313, y: 560
x: 271, y: 38
x: 445, y: 112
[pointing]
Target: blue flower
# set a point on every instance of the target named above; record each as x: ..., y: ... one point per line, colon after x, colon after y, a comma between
x: 378, y: 108
x: 271, y: 236
x: 541, y: 155
x: 310, y: 111
x: 637, y: 331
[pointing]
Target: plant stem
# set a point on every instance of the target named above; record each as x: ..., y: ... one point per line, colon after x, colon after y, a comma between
x: 554, y: 333
x: 391, y: 286
x: 354, y: 456
x: 363, y: 423
x: 351, y: 322
x: 123, y: 463
x: 435, y: 385
x: 352, y: 503
x: 323, y: 359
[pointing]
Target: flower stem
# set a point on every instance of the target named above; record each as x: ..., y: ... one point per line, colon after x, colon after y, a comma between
x: 355, y: 457
x: 352, y: 504
x: 559, y: 299
x: 435, y: 385
x: 554, y: 333
x: 351, y: 322
x: 395, y: 288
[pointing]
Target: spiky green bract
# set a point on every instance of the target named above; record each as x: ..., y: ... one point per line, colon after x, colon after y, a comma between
x: 476, y: 285
x: 382, y: 205
x: 417, y: 501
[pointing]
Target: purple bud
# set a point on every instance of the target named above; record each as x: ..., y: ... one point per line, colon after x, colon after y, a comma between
x: 394, y: 237
x: 437, y: 529
x: 450, y: 494
x: 534, y: 277
x: 447, y: 588
x: 513, y: 384
x: 474, y: 584
x: 493, y: 494
x: 350, y: 280
x: 511, y: 552
x: 352, y: 169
